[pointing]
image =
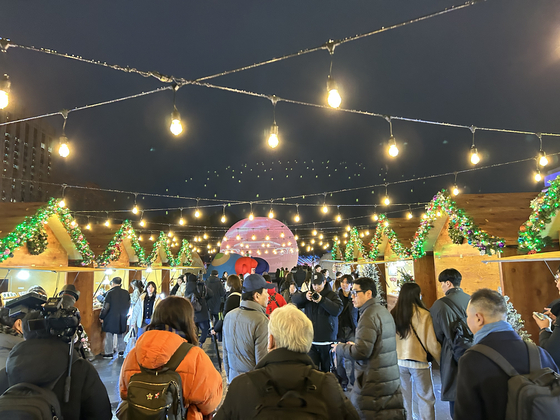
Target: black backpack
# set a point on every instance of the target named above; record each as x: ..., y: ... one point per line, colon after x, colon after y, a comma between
x: 297, y: 404
x: 462, y: 337
x: 157, y: 394
x: 25, y: 401
x: 534, y: 396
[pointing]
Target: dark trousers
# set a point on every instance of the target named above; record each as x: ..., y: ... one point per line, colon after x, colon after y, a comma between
x: 215, y: 319
x: 204, y: 327
x: 452, y: 409
x: 345, y: 334
x: 321, y: 356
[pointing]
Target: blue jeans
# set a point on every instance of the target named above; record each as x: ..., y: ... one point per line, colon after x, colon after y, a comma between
x: 142, y: 329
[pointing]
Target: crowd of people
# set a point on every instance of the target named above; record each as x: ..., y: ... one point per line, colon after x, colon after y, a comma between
x: 299, y: 343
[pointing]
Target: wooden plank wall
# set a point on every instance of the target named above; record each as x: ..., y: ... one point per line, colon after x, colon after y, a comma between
x: 424, y: 275
x: 165, y: 276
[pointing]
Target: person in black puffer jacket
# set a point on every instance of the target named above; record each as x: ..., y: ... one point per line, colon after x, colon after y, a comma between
x: 322, y: 306
x: 214, y: 284
x: 197, y: 290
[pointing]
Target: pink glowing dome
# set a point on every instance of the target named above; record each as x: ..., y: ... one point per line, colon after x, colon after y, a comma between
x: 262, y: 237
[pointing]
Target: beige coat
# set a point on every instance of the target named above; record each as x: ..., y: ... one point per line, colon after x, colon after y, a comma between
x: 410, y: 348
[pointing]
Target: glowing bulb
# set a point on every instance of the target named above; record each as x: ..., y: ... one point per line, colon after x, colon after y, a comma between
x: 197, y: 213
x: 88, y: 226
x: 367, y: 232
x: 543, y: 160
x: 474, y: 156
x: 386, y: 223
x: 386, y: 200
x: 409, y: 215
x: 267, y: 238
x: 333, y: 97
x: 238, y: 237
x: 4, y: 91
x: 296, y: 219
x: 393, y: 149
x: 251, y: 216
x: 107, y: 223
x: 223, y: 219
x: 205, y: 236
x: 181, y: 221
x: 455, y: 190
x: 345, y: 235
x: 375, y: 217
x: 296, y: 237
x: 140, y: 238
x: 538, y: 176
x: 348, y: 228
x: 254, y: 238
x: 339, y: 218
x: 321, y: 236
x: 312, y: 241
x: 4, y: 99
x: 176, y: 127
x: 273, y: 137
x: 63, y: 149
x: 142, y: 222
x: 135, y: 210
x: 325, y: 209
x: 151, y: 238
x: 271, y: 214
x: 62, y: 203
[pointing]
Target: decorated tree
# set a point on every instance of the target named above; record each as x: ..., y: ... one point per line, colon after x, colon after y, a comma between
x: 355, y: 246
x: 336, y: 253
x: 371, y: 271
x: 515, y: 320
x: 404, y: 278
x: 383, y: 228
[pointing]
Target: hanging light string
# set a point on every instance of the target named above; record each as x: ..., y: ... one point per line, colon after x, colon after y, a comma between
x: 173, y: 79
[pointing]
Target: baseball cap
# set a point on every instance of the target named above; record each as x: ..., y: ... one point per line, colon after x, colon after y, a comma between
x: 317, y: 278
x: 255, y: 282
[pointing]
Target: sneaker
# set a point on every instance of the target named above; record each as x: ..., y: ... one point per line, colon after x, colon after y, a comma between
x: 107, y: 356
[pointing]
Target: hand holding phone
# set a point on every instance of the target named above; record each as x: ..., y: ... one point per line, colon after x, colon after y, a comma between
x: 540, y: 316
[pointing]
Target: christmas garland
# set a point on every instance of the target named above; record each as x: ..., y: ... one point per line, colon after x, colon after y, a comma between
x: 442, y: 203
x: 545, y: 206
x: 353, y: 242
x: 383, y: 229
x: 27, y: 229
x: 38, y: 242
x: 334, y: 250
x: 114, y: 249
x: 184, y: 253
x: 456, y: 235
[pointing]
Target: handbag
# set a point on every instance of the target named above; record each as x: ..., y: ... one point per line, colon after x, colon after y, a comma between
x: 429, y: 357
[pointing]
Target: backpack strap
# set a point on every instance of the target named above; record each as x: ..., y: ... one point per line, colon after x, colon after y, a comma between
x: 454, y: 307
x: 173, y: 362
x: 534, y: 357
x: 497, y: 358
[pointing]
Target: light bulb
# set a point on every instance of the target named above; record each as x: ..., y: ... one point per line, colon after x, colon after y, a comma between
x: 107, y: 223
x: 296, y: 219
x: 176, y: 127
x: 348, y: 228
x: 238, y: 237
x: 375, y: 217
x: 223, y: 219
x: 333, y: 97
x: 325, y: 209
x: 409, y: 215
x: 543, y: 160
x: 267, y: 238
x: 455, y: 190
x: 367, y: 232
x: 88, y: 226
x: 386, y: 200
x: 62, y: 203
x: 205, y: 236
x: 273, y: 137
x: 63, y: 149
x: 181, y: 221
x: 271, y: 214
x: 321, y: 236
x: 4, y: 91
x: 314, y: 233
x: 296, y: 237
x: 393, y: 149
x: 142, y: 223
x: 254, y: 238
x: 135, y: 210
x: 151, y: 238
x: 169, y: 234
x: 197, y: 213
x: 474, y: 156
x: 538, y: 176
x: 339, y: 218
x: 251, y: 216
x: 140, y: 238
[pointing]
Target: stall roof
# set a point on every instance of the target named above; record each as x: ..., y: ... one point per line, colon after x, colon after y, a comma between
x: 12, y: 214
x: 405, y: 229
x: 544, y: 256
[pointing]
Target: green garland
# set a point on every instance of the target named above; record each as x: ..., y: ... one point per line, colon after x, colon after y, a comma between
x: 38, y: 242
x: 383, y: 229
x: 184, y: 253
x: 545, y: 207
x: 442, y: 203
x: 456, y: 235
x: 27, y: 229
x: 334, y: 250
x: 354, y: 242
x: 113, y: 250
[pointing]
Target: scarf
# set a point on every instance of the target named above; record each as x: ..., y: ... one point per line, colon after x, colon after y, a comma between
x: 491, y: 328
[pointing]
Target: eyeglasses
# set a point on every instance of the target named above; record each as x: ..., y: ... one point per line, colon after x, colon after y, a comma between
x: 355, y: 292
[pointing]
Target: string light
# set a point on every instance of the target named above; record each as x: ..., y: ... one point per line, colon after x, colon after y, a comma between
x: 455, y: 189
x: 197, y: 211
x: 538, y: 177
x: 4, y: 91
x: 409, y: 214
x: 271, y: 212
x: 251, y: 216
x: 108, y: 221
x: 142, y: 221
x: 333, y: 96
x: 297, y: 218
x: 135, y: 208
x: 63, y: 149
x: 392, y: 148
x: 151, y: 237
x: 386, y: 199
x: 374, y: 216
x: 543, y: 160
x: 176, y: 127
x: 474, y: 152
x: 273, y: 133
x: 223, y: 219
x: 88, y: 226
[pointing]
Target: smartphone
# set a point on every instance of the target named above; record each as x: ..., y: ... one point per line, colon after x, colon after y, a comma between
x: 542, y: 317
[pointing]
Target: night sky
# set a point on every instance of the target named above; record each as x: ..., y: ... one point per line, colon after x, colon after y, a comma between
x: 494, y: 64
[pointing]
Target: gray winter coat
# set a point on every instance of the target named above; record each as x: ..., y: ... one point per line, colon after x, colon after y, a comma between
x: 245, y: 338
x: 443, y: 316
x: 377, y: 389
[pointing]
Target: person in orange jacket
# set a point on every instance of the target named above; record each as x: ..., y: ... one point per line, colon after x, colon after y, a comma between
x: 172, y: 324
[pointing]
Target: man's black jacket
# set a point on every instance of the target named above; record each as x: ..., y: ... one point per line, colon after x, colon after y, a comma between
x: 323, y: 315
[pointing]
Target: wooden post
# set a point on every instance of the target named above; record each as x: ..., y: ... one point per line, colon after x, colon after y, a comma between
x: 165, y: 276
x: 425, y: 276
x: 133, y: 275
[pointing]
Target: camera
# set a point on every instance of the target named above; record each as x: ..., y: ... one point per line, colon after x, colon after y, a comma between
x: 46, y: 316
x: 315, y: 296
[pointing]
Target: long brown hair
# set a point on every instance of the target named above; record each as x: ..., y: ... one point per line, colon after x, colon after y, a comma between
x: 234, y: 282
x: 409, y: 299
x: 178, y: 313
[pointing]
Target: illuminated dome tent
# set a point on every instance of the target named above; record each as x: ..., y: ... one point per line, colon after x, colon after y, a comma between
x: 262, y: 237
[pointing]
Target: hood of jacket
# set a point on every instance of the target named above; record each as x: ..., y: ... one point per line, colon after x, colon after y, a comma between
x: 28, y: 361
x: 154, y: 348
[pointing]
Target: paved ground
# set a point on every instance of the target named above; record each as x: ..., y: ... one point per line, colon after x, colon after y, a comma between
x: 109, y: 372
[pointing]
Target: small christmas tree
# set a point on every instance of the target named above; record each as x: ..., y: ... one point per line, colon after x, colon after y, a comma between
x: 404, y: 278
x: 515, y: 319
x: 371, y: 271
